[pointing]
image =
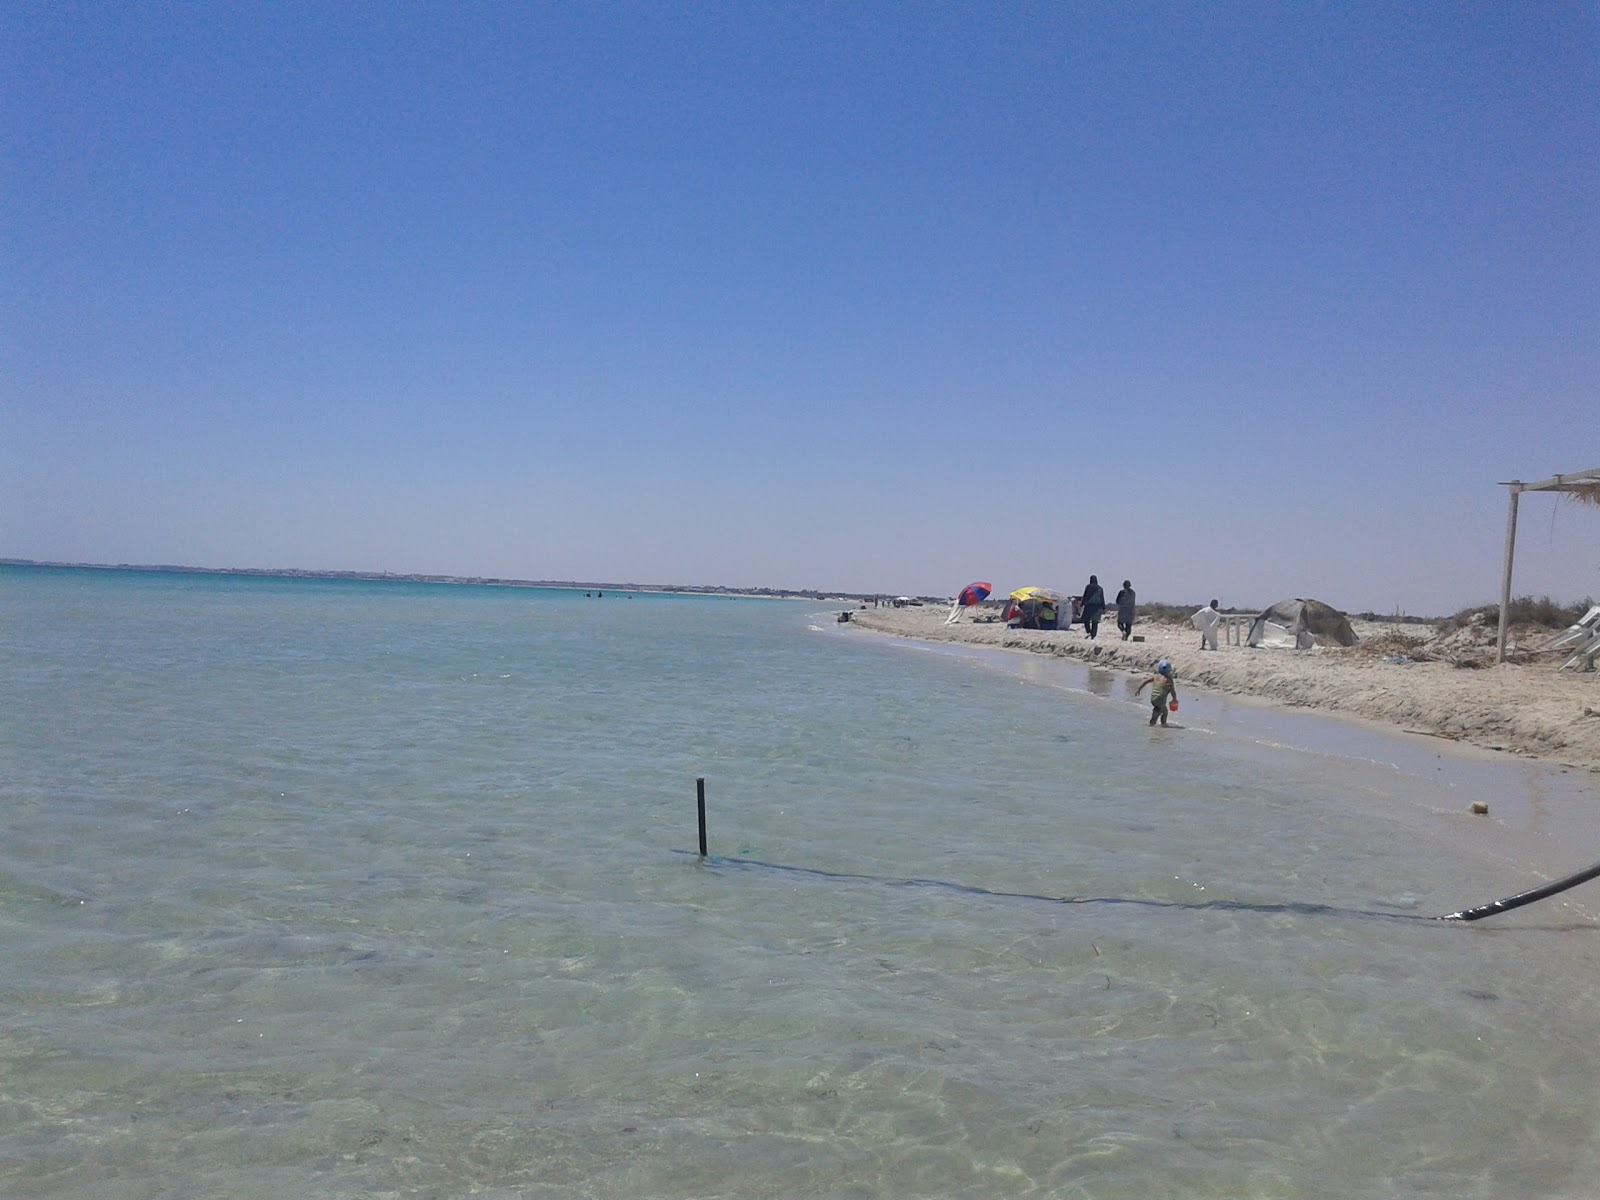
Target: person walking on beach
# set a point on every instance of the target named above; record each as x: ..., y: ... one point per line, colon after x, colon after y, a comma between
x: 1163, y: 690
x: 1206, y: 621
x: 1125, y: 610
x: 1094, y: 603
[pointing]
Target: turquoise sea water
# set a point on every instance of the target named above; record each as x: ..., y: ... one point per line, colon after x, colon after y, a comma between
x: 346, y: 889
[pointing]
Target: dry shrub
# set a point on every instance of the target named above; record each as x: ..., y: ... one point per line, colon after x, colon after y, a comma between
x: 1541, y: 611
x: 1395, y: 645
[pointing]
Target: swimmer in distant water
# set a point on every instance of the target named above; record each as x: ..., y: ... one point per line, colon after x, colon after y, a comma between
x: 1163, y: 688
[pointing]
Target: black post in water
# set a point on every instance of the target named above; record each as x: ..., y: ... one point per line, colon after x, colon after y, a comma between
x: 700, y: 794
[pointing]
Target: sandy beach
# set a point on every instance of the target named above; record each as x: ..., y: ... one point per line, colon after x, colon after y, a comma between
x: 1410, y: 677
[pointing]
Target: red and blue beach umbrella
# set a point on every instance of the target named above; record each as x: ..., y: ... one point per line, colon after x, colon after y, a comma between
x: 974, y: 593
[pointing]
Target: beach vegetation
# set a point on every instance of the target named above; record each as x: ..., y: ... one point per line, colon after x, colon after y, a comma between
x: 1176, y: 614
x: 1394, y: 644
x: 1393, y: 618
x: 1539, y: 611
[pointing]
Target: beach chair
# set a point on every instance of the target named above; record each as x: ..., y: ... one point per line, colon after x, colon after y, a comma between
x: 1579, y: 632
x: 1581, y: 641
x: 1584, y: 655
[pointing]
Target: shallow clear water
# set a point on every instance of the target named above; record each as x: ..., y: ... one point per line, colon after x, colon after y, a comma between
x: 328, y: 889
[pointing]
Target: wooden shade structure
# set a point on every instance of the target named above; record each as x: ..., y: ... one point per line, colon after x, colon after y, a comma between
x: 1584, y: 485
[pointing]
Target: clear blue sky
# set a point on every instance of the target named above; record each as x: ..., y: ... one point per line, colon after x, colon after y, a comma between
x: 1246, y: 300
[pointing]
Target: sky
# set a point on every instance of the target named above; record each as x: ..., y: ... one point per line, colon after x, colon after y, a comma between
x: 1238, y: 300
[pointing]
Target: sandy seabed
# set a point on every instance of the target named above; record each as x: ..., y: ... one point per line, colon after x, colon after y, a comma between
x: 1529, y: 707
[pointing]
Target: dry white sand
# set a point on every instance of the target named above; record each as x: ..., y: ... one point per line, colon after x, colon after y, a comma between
x: 1527, y: 707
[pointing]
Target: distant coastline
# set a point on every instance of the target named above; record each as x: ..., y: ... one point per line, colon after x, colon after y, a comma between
x: 476, y: 580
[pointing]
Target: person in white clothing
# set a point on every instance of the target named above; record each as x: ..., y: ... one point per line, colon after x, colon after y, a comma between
x: 1207, y: 621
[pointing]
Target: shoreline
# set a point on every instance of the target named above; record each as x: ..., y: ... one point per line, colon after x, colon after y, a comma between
x: 1522, y: 710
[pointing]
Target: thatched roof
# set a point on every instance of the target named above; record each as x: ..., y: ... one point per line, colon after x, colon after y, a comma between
x: 1584, y: 493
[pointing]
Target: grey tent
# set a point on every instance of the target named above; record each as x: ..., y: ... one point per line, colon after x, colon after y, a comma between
x: 1300, y: 625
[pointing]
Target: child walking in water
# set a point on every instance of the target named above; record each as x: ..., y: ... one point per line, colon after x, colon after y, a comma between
x: 1163, y: 688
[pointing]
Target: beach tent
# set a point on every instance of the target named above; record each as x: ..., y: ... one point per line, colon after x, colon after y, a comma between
x: 1300, y: 625
x: 1038, y: 608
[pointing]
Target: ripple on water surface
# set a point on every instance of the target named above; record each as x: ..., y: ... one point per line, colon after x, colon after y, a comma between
x: 331, y: 889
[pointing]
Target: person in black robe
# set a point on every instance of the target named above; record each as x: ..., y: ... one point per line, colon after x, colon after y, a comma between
x: 1125, y: 607
x: 1094, y: 603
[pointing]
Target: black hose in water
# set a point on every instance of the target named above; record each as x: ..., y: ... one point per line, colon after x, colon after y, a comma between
x: 1521, y: 898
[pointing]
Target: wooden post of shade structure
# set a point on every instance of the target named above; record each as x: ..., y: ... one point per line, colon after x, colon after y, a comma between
x: 700, y: 796
x: 1505, y: 579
